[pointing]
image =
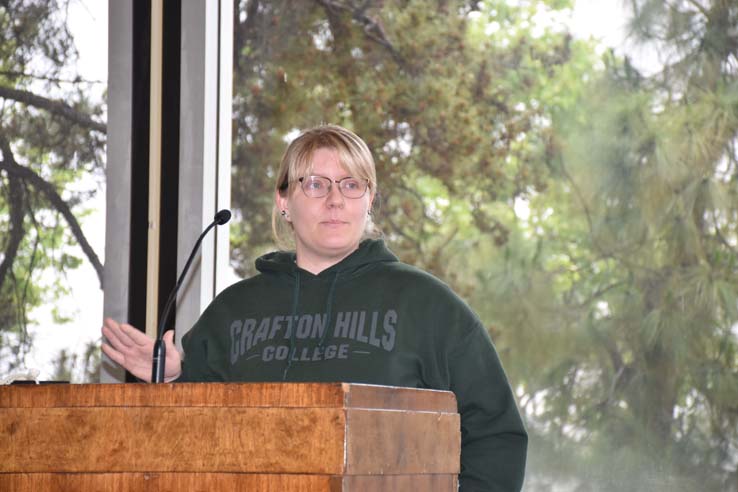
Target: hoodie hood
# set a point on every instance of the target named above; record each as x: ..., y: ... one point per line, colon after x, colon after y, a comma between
x: 369, y: 253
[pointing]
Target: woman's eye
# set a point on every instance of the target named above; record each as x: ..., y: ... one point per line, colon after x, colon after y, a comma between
x: 351, y: 184
x: 315, y: 185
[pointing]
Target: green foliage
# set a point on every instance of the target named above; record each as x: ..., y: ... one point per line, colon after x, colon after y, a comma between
x: 425, y: 87
x: 623, y: 311
x: 44, y: 152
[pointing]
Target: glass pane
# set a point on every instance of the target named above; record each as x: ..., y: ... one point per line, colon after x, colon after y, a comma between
x: 52, y: 188
x: 580, y: 196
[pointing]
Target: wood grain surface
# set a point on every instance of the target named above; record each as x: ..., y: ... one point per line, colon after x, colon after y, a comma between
x: 222, y: 482
x: 344, y: 395
x: 228, y: 436
x: 401, y: 441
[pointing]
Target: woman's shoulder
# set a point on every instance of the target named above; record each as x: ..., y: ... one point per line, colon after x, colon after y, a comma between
x: 430, y: 298
x: 241, y: 291
x: 403, y: 272
x: 408, y: 281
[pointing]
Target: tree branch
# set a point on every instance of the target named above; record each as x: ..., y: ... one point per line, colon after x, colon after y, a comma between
x: 602, y: 249
x: 16, y: 202
x: 699, y: 8
x: 53, y: 106
x: 719, y: 234
x: 78, y: 80
x: 14, y: 169
x: 372, y: 29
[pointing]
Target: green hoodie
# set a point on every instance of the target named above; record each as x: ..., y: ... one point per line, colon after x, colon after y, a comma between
x: 368, y: 319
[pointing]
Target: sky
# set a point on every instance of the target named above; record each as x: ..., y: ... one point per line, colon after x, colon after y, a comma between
x: 605, y: 21
x: 600, y: 19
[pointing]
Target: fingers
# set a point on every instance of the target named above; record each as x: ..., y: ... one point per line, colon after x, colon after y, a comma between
x: 125, y: 335
x: 131, y: 337
x: 136, y: 336
x: 169, y: 338
x: 113, y: 354
x: 112, y: 331
x: 173, y: 367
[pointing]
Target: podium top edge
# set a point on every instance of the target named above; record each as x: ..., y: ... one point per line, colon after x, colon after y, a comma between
x: 261, y: 395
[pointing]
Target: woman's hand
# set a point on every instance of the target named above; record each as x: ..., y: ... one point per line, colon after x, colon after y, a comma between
x: 133, y: 350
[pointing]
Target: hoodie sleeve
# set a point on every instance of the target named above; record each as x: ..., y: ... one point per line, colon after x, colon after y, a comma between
x: 493, y: 438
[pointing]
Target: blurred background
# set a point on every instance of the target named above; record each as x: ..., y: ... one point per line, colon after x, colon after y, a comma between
x: 569, y: 168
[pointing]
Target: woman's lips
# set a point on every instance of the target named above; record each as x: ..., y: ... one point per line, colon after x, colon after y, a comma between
x: 333, y: 223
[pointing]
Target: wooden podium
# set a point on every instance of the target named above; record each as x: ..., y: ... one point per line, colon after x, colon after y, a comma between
x: 305, y: 437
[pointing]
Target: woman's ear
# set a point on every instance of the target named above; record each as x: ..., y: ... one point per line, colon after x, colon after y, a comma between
x: 282, y: 202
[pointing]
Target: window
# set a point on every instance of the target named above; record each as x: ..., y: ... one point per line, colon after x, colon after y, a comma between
x: 52, y: 198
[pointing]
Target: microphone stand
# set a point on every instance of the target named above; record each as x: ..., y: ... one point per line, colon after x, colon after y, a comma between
x: 160, y: 350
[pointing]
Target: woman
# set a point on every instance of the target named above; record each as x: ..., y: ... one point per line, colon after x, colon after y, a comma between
x: 341, y: 307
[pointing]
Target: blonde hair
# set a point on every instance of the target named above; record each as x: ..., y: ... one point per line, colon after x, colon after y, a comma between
x: 353, y: 154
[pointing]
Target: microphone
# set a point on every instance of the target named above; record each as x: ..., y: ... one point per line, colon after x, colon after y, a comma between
x: 160, y: 351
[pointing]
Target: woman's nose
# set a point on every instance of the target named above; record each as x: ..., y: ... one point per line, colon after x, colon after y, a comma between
x: 334, y: 197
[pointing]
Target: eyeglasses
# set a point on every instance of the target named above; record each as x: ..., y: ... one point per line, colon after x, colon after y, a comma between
x: 320, y: 186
